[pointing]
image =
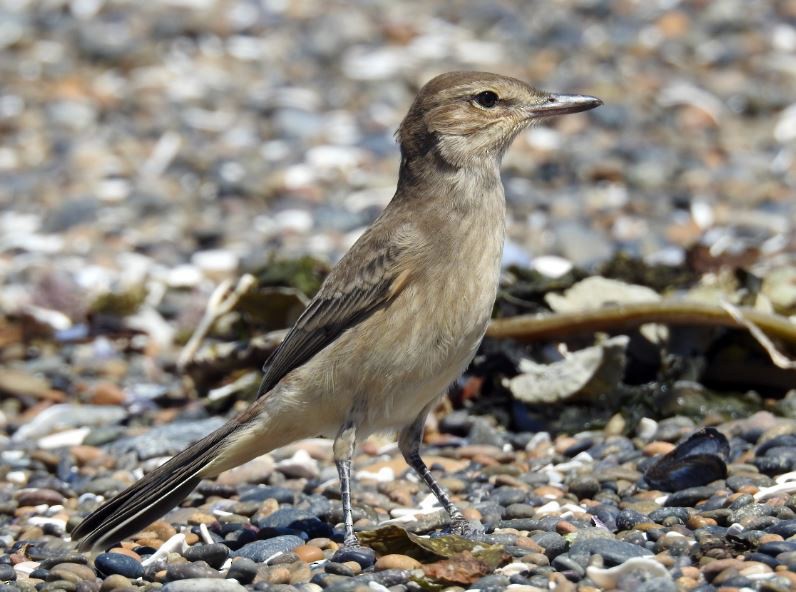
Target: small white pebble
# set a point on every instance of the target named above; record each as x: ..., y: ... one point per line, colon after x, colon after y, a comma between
x: 513, y: 569
x: 174, y: 544
x: 334, y: 157
x: 410, y: 514
x: 296, y: 177
x: 610, y: 578
x: 205, y: 534
x: 543, y: 138
x: 383, y: 475
x: 26, y: 567
x: 702, y: 213
x: 429, y: 502
x: 785, y: 477
x: 646, y: 428
x: 90, y: 498
x: 184, y: 276
x: 539, y: 440
x: 388, y: 448
x: 301, y: 464
x: 214, y: 261
x: 569, y: 465
x: 66, y: 438
x: 765, y: 493
x: 43, y: 521
x: 551, y: 266
x: 17, y: 477
x: 734, y: 529
x: 552, y: 507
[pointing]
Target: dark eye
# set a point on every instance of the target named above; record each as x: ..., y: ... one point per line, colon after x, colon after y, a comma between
x: 486, y: 99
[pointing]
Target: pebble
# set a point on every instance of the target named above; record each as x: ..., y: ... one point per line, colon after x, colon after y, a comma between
x: 113, y: 582
x: 34, y: 497
x: 395, y: 561
x: 7, y: 573
x: 260, y: 551
x: 309, y: 553
x: 242, y: 569
x: 73, y: 572
x: 214, y: 555
x: 613, y: 552
x: 363, y: 556
x: 116, y: 563
x: 690, y: 496
x: 189, y: 571
x: 785, y: 528
x: 552, y: 543
x: 203, y: 585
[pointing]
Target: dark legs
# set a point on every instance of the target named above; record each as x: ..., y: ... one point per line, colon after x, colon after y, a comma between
x: 409, y: 444
x: 343, y: 451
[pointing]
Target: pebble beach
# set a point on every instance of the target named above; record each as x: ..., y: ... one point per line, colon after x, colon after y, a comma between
x: 152, y: 152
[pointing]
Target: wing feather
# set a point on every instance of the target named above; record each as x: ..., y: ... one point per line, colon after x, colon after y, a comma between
x: 367, y: 279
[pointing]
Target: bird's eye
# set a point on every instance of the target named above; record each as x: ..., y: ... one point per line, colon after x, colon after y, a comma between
x: 486, y: 99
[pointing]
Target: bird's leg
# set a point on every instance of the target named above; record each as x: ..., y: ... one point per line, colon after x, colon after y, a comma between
x: 409, y: 444
x: 343, y: 452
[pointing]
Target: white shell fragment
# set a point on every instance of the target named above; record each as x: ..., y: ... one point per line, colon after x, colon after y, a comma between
x: 630, y: 575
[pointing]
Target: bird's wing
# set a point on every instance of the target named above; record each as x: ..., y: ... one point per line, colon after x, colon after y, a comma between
x: 368, y: 278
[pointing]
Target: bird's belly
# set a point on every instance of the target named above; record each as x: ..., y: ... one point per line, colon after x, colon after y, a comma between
x: 386, y: 370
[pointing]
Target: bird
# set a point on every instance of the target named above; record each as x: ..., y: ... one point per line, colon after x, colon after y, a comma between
x: 396, y: 321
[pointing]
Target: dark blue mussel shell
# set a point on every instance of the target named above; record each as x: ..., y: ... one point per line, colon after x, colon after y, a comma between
x: 702, y: 458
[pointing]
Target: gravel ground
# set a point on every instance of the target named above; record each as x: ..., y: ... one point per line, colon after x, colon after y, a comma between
x: 153, y: 150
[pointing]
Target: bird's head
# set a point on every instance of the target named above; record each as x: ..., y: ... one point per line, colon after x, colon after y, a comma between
x: 467, y: 118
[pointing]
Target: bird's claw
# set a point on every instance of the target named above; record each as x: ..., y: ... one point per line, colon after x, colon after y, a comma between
x: 468, y: 529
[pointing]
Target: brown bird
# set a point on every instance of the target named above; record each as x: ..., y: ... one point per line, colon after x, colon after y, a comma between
x: 396, y: 321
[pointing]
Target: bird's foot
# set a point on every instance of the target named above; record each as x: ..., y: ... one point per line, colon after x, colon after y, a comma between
x: 351, y: 541
x: 468, y: 529
x: 353, y: 551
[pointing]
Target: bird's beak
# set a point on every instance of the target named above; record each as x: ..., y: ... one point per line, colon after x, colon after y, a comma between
x: 562, y: 104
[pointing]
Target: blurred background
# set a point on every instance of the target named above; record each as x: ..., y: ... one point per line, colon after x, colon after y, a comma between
x: 177, y: 143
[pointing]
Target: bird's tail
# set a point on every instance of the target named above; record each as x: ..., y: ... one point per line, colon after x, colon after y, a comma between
x: 154, y: 495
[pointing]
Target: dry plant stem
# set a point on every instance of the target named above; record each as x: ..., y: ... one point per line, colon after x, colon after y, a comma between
x: 779, y: 359
x: 222, y: 301
x: 629, y: 316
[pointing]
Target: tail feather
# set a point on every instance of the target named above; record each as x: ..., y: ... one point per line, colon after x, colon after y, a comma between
x: 154, y: 495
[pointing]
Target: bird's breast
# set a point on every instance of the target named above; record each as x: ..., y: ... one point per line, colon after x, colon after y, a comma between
x: 398, y: 360
x: 433, y: 329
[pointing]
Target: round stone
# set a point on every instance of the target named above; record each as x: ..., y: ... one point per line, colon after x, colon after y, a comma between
x: 116, y: 563
x: 242, y: 569
x: 397, y: 561
x: 260, y: 551
x: 309, y: 553
x: 115, y: 581
x: 7, y: 573
x: 214, y: 555
x: 203, y: 585
x: 72, y: 572
x: 364, y: 556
